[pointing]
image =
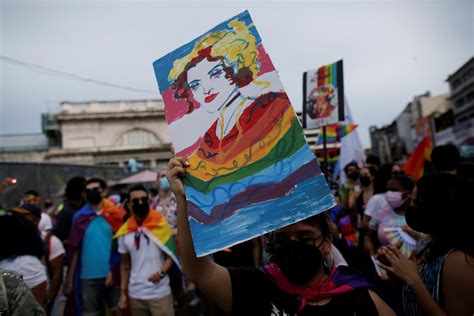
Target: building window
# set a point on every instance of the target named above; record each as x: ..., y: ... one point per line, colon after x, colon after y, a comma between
x: 138, y: 137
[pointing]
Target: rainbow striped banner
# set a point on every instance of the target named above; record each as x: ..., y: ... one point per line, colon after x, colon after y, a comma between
x: 251, y: 170
x: 323, y: 93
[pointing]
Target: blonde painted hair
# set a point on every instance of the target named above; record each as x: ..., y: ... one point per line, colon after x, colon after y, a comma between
x: 236, y: 48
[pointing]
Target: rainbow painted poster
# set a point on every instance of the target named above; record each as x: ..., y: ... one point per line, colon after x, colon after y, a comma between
x: 251, y: 170
x: 323, y: 93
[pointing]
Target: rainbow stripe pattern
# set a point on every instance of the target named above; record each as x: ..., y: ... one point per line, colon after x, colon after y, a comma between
x: 261, y: 175
x: 157, y: 229
x: 335, y: 132
x: 396, y: 235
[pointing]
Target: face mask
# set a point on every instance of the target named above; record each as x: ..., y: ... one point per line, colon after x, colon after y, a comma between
x: 48, y: 205
x: 164, y: 184
x: 94, y: 197
x: 141, y: 210
x: 418, y: 219
x: 365, y: 181
x: 299, y: 262
x: 394, y: 199
x: 353, y: 175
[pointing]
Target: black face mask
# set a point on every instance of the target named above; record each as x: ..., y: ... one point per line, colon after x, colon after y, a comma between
x: 365, y: 181
x: 353, y: 175
x: 141, y: 210
x: 48, y: 205
x: 298, y: 261
x: 419, y: 219
x: 94, y: 197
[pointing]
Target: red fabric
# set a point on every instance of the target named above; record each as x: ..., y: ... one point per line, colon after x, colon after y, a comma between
x: 415, y: 164
x: 321, y: 289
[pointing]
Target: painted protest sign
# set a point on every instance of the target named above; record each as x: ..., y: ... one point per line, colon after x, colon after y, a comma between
x: 323, y: 93
x: 251, y: 170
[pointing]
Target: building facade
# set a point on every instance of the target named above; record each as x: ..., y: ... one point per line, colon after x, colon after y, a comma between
x: 106, y: 133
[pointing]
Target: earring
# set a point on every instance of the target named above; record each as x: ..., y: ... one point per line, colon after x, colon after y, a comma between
x: 326, y: 263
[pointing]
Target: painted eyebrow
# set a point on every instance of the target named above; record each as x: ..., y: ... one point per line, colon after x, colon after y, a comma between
x: 220, y: 65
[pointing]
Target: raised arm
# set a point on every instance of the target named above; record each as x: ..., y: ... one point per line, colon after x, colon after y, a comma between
x: 212, y: 279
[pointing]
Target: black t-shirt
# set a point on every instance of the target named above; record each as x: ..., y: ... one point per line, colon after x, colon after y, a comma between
x: 253, y: 293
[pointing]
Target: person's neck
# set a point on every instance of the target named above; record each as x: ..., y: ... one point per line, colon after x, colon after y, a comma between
x: 140, y: 220
x: 164, y: 194
x: 319, y: 277
x: 98, y: 207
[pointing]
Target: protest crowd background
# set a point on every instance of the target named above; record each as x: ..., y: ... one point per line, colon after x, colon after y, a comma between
x: 117, y: 208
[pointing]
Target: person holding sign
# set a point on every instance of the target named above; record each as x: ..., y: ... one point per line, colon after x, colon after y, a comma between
x: 300, y: 280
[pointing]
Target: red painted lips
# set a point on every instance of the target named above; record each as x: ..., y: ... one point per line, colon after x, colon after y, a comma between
x: 211, y: 97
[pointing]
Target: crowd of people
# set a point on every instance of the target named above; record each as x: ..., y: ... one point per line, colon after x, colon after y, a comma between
x: 391, y: 246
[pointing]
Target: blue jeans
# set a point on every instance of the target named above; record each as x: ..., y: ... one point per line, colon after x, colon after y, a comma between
x: 95, y: 294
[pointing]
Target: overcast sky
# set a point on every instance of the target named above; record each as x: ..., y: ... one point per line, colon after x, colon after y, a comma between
x: 392, y: 50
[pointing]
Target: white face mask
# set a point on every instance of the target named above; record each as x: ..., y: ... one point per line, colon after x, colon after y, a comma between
x: 394, y: 199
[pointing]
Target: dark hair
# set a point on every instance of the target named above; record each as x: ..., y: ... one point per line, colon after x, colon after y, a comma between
x: 242, y: 78
x: 320, y: 221
x: 445, y: 158
x: 153, y: 191
x: 381, y: 178
x: 19, y: 237
x: 350, y: 164
x: 373, y: 160
x: 137, y: 187
x: 75, y: 186
x: 448, y: 197
x: 100, y: 181
x: 31, y: 192
x: 405, y: 181
x: 372, y: 170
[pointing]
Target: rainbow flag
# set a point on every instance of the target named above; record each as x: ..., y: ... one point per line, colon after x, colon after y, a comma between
x: 335, y: 132
x: 396, y: 235
x: 416, y: 163
x: 157, y: 229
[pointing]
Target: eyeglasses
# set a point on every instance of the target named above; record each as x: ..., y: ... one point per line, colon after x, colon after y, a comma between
x: 96, y: 189
x: 142, y: 200
x: 278, y: 242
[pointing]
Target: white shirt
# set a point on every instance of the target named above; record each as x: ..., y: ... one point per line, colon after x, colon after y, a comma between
x: 145, y: 261
x: 45, y: 222
x: 376, y: 204
x: 30, y: 268
x: 56, y: 247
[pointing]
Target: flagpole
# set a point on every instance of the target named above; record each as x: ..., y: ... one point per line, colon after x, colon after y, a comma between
x: 325, y: 152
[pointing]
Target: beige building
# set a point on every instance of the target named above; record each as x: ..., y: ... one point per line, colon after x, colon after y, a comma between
x: 105, y: 133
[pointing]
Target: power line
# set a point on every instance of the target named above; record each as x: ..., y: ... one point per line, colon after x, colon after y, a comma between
x: 68, y: 75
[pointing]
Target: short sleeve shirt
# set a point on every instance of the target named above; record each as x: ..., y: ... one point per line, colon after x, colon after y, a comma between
x: 30, y: 268
x: 375, y: 205
x: 386, y: 218
x: 56, y: 247
x: 146, y: 260
x: 96, y: 249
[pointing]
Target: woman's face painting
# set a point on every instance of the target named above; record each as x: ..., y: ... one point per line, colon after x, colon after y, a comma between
x: 209, y: 85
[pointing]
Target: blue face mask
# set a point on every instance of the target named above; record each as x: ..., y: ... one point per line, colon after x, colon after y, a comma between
x: 164, y: 184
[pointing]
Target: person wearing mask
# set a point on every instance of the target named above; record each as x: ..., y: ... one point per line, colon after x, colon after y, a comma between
x: 90, y: 282
x: 166, y: 202
x: 359, y: 200
x: 301, y: 278
x: 347, y: 190
x: 33, y: 197
x: 445, y: 159
x: 377, y: 201
x: 21, y: 251
x: 54, y: 256
x: 75, y: 199
x: 49, y: 207
x: 145, y: 259
x: 398, y: 198
x: 439, y: 277
x: 396, y: 170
